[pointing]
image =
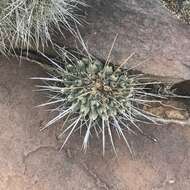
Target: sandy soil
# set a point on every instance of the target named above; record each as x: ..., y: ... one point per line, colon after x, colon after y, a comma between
x: 30, y: 160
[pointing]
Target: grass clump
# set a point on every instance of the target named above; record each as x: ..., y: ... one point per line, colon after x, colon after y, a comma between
x: 29, y: 23
x: 96, y: 97
x: 181, y: 8
x: 186, y: 11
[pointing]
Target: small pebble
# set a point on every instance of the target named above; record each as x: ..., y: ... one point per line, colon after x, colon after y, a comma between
x: 171, y: 181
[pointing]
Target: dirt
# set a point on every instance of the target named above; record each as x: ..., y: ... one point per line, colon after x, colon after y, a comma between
x: 170, y: 110
x: 30, y: 159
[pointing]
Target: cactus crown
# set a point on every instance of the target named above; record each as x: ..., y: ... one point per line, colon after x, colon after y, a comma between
x: 93, y: 87
x: 96, y: 96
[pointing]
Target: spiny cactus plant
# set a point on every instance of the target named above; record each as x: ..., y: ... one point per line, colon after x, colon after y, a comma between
x: 29, y: 23
x: 96, y: 96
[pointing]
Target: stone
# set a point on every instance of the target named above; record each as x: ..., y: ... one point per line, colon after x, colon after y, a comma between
x: 30, y: 159
x: 161, y: 41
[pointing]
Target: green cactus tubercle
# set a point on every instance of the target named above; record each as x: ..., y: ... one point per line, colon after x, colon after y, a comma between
x: 96, y: 91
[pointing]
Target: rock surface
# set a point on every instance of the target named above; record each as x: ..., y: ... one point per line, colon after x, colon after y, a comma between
x: 161, y: 41
x: 30, y: 159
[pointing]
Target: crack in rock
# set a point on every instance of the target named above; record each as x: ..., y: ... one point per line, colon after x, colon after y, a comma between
x: 98, y: 181
x: 33, y: 152
x: 37, y: 150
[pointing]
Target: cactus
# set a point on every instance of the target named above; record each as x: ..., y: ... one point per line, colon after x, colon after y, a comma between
x: 27, y: 23
x: 92, y: 95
